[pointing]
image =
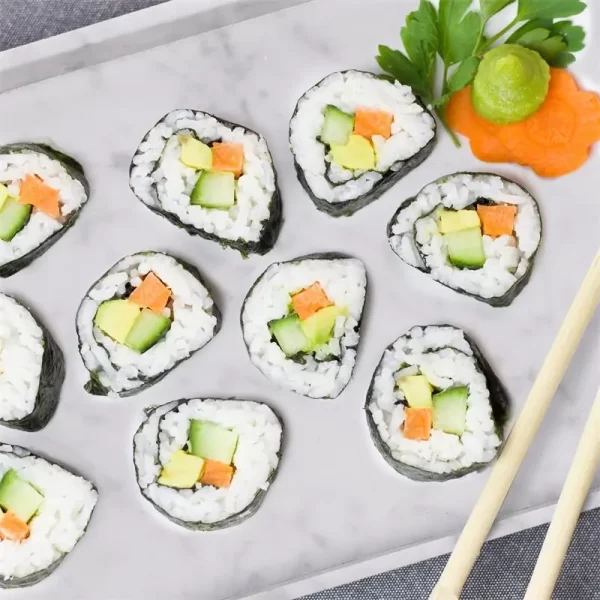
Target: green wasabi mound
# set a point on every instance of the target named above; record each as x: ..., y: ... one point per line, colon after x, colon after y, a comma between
x: 511, y: 84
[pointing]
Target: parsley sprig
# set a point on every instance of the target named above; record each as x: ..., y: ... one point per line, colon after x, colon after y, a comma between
x: 457, y: 33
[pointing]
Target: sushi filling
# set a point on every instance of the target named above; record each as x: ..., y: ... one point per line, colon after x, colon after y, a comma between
x: 212, y: 176
x: 431, y: 404
x: 37, y: 196
x: 301, y: 322
x: 44, y: 511
x: 351, y: 129
x: 203, y: 461
x: 143, y: 317
x: 21, y: 356
x: 474, y: 233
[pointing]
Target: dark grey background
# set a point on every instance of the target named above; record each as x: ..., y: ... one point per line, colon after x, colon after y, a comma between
x: 505, y: 565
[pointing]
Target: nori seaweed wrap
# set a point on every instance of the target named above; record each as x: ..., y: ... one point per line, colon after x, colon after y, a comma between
x: 32, y: 368
x: 210, y: 177
x: 207, y: 464
x: 435, y: 409
x: 143, y: 317
x: 476, y: 233
x: 42, y: 192
x: 354, y: 135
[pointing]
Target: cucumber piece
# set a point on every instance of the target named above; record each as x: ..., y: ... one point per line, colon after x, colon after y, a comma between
x: 147, y: 329
x: 214, y: 189
x: 289, y: 335
x: 337, y: 126
x: 465, y: 248
x: 13, y: 217
x: 457, y: 220
x: 18, y: 495
x: 211, y: 441
x: 450, y: 410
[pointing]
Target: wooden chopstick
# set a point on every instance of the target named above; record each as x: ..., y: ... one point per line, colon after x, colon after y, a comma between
x: 572, y: 497
x: 504, y: 471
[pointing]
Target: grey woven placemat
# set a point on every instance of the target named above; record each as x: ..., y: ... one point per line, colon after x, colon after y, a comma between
x: 505, y: 565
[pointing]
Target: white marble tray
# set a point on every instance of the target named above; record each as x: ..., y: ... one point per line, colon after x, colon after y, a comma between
x: 353, y: 515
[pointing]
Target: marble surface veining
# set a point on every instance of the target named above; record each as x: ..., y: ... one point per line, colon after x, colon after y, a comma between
x: 335, y: 500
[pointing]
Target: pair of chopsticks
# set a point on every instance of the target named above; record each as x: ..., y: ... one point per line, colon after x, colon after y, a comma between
x: 504, y: 471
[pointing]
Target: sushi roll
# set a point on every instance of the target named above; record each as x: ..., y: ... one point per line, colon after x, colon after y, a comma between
x: 32, y: 369
x: 301, y: 322
x: 44, y: 511
x: 476, y: 233
x: 143, y: 317
x: 435, y: 409
x: 354, y: 135
x: 207, y: 464
x: 41, y: 194
x: 211, y: 177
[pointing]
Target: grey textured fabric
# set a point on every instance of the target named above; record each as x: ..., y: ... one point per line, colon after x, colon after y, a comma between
x: 505, y: 565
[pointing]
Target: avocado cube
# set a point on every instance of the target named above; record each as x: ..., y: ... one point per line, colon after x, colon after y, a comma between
x: 194, y: 153
x: 290, y: 335
x: 465, y: 248
x: 318, y: 328
x: 457, y: 220
x: 450, y: 410
x: 182, y: 471
x: 211, y: 441
x: 417, y: 390
x: 116, y: 318
x: 18, y: 495
x: 147, y: 329
x: 357, y: 153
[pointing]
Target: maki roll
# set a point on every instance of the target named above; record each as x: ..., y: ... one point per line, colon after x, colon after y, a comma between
x: 213, y: 178
x: 143, y: 317
x: 476, y: 233
x: 301, y: 322
x: 435, y: 409
x: 32, y: 369
x: 44, y: 512
x: 354, y: 135
x: 41, y: 194
x: 206, y: 463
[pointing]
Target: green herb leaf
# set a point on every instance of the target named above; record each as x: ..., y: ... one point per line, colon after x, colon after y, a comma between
x: 549, y: 9
x: 548, y: 48
x: 441, y: 100
x: 527, y: 27
x: 574, y: 35
x: 534, y: 37
x: 459, y: 29
x: 400, y: 66
x: 420, y: 39
x: 463, y: 75
x: 491, y: 7
x: 562, y: 60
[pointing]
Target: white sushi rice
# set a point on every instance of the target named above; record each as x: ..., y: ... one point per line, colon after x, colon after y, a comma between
x: 161, y: 180
x: 344, y: 280
x: 61, y: 520
x: 415, y: 237
x: 412, y: 128
x: 255, y: 459
x: 21, y: 355
x: 13, y: 169
x: 445, y: 357
x: 193, y: 322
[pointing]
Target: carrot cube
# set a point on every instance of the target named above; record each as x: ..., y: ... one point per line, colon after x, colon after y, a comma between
x: 497, y: 220
x: 12, y: 528
x: 370, y: 121
x: 152, y: 293
x: 417, y: 423
x: 217, y: 474
x: 310, y: 300
x: 229, y: 157
x: 43, y: 197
